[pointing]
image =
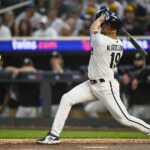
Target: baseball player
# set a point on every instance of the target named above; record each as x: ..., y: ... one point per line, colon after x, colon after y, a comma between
x: 107, y: 52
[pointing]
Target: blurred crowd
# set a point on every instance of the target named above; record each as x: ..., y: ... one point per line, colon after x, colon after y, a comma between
x: 52, y: 18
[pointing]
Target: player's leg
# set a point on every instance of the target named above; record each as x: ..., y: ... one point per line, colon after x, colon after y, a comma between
x: 79, y: 94
x: 117, y: 109
x: 136, y: 111
x: 21, y: 112
x: 93, y: 108
x: 33, y: 112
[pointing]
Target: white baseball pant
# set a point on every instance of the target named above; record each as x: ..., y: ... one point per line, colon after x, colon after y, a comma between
x: 108, y: 92
x: 94, y: 108
x: 23, y: 112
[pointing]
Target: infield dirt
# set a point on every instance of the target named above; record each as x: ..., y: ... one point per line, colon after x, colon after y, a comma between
x: 77, y: 144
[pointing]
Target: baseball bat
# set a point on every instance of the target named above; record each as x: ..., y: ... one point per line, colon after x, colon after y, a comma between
x: 134, y: 43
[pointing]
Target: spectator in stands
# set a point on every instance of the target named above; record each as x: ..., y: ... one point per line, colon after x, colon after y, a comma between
x: 56, y: 62
x: 75, y: 20
x: 139, y: 64
x: 129, y: 74
x: 10, y: 22
x: 140, y: 95
x: 28, y: 93
x: 61, y: 11
x: 71, y: 4
x: 146, y: 4
x: 72, y: 23
x: 75, y: 23
x: 86, y: 25
x: 114, y: 6
x: 61, y: 6
x: 42, y: 6
x: 69, y: 8
x: 58, y: 88
x: 65, y: 30
x: 129, y: 19
x: 54, y: 21
x: 45, y: 30
x: 24, y: 28
x: 4, y: 30
x: 8, y: 97
x: 11, y: 100
x: 140, y: 15
x: 89, y: 8
x: 30, y: 14
x: 10, y: 103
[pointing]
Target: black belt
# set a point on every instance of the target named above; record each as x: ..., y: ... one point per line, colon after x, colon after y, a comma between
x: 95, y: 81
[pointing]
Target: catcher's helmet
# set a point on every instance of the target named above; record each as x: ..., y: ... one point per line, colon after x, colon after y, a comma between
x: 114, y: 22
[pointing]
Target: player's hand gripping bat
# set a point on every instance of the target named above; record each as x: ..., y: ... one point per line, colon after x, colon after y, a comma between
x: 134, y: 43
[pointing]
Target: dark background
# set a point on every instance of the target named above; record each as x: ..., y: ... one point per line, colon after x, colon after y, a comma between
x: 72, y: 60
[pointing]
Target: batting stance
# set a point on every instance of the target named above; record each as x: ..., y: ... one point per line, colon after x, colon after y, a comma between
x: 107, y: 52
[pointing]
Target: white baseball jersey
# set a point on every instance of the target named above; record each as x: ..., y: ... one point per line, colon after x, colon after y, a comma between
x: 104, y: 57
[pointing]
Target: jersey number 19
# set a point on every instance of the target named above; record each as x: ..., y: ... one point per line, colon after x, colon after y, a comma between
x: 115, y: 58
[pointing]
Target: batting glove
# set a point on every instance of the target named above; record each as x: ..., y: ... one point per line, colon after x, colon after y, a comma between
x: 108, y: 14
x: 101, y: 11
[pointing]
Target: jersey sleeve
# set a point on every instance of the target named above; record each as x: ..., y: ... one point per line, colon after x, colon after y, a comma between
x: 96, y: 38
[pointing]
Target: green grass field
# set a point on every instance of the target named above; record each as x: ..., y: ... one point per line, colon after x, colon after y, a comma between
x: 31, y: 134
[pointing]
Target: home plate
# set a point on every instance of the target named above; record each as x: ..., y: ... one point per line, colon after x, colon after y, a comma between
x: 96, y: 147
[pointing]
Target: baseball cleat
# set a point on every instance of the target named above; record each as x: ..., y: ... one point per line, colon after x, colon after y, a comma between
x: 49, y: 139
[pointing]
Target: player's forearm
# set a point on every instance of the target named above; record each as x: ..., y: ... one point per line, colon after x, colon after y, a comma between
x: 97, y: 23
x: 27, y: 69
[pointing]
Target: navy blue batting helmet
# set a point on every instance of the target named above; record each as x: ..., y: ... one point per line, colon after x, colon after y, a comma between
x: 114, y: 22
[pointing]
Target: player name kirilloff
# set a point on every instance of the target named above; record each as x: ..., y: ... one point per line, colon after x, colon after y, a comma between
x: 72, y: 45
